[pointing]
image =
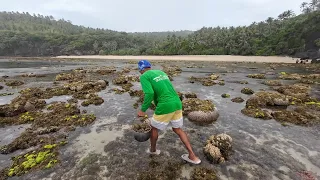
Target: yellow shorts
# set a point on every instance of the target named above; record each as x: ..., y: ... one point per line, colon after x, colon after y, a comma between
x: 162, y: 121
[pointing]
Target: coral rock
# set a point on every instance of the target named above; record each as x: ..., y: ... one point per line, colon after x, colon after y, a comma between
x: 200, y: 117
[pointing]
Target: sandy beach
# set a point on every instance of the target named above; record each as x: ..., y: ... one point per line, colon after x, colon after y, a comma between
x: 221, y: 58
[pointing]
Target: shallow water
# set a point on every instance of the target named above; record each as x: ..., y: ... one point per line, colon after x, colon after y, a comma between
x: 107, y: 149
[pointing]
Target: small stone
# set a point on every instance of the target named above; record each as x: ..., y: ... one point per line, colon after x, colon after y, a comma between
x: 225, y: 95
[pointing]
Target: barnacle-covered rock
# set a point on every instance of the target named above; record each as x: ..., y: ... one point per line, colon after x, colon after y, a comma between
x: 218, y: 148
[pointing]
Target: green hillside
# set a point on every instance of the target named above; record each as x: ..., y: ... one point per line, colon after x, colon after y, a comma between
x: 22, y: 34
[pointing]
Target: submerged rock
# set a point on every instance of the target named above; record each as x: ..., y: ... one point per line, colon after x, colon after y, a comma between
x: 256, y: 76
x: 218, y: 148
x: 14, y: 83
x: 237, y: 100
x: 1, y: 87
x: 247, y: 91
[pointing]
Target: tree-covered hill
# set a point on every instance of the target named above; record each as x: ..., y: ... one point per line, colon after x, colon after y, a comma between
x: 22, y: 34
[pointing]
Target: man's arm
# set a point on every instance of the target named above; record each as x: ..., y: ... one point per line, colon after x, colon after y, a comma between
x: 148, y: 93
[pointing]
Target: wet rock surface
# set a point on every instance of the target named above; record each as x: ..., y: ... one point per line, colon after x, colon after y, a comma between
x: 103, y: 146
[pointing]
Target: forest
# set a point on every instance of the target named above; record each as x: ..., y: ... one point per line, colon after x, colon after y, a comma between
x: 23, y: 34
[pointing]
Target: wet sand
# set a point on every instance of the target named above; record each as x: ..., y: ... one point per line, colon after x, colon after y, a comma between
x: 213, y: 58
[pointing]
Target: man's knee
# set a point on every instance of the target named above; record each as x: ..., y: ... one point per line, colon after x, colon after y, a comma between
x: 177, y: 130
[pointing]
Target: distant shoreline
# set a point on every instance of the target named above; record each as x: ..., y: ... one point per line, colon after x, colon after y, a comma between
x: 212, y: 58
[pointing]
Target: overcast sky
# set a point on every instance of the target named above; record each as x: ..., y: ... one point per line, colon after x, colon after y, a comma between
x: 151, y: 15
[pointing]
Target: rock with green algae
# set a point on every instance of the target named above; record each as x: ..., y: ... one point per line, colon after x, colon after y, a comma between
x: 221, y: 83
x: 31, y: 161
x: 247, y: 91
x: 225, y: 95
x: 256, y: 113
x: 202, y: 173
x: 195, y: 104
x: 256, y: 76
x: 218, y: 148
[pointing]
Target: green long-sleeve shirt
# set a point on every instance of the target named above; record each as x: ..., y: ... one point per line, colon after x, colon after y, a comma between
x: 158, y: 88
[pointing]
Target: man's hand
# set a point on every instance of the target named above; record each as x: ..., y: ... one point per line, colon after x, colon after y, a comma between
x: 141, y: 114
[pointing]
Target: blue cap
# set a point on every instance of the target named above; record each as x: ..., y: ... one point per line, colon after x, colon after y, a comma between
x: 144, y: 64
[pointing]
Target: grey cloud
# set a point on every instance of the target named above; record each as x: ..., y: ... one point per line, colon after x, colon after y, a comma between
x: 151, y: 15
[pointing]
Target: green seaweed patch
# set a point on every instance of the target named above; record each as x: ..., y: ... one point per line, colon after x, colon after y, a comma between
x: 26, y: 117
x: 40, y: 159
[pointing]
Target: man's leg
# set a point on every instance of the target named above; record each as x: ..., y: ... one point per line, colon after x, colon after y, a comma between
x: 184, y: 138
x: 153, y: 139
